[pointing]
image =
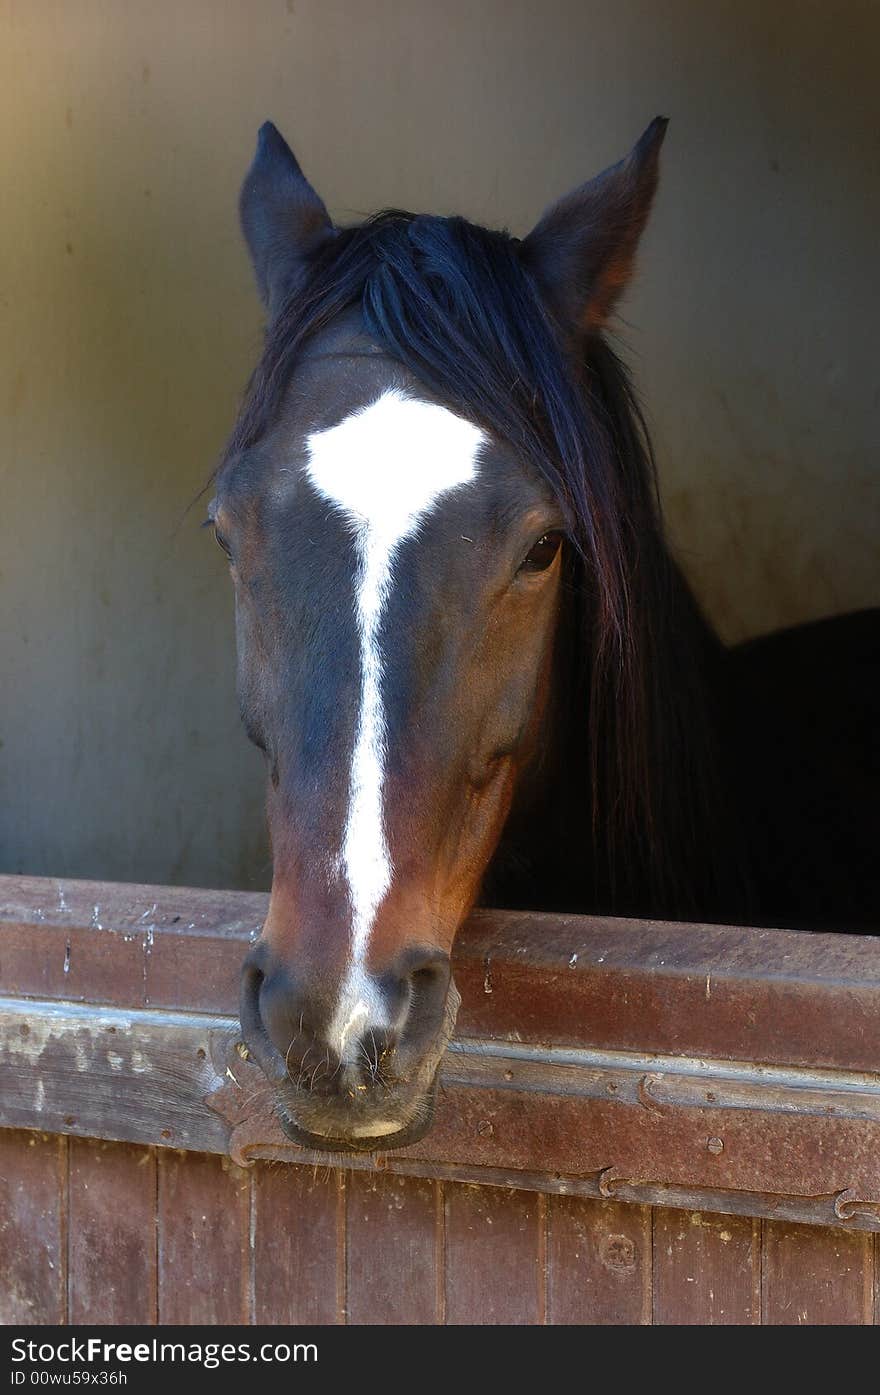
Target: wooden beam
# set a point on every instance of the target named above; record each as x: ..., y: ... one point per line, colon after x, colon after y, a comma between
x: 775, y: 996
x: 706, y: 1134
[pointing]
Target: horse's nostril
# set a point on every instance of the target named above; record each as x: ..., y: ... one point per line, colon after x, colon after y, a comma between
x: 423, y: 966
x: 423, y: 978
x: 249, y: 999
x: 254, y: 1029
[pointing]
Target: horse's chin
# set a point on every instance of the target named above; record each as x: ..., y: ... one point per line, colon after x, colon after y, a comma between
x: 363, y: 1137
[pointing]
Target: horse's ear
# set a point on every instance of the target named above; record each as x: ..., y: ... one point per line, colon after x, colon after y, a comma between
x: 282, y: 217
x: 582, y: 251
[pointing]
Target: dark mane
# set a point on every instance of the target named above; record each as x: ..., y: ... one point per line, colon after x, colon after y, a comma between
x: 455, y: 304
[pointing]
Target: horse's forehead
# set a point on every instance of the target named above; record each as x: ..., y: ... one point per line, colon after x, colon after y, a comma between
x: 358, y: 430
x: 387, y: 464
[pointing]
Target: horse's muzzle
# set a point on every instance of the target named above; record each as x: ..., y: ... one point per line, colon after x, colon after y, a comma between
x: 368, y: 1089
x: 368, y: 1142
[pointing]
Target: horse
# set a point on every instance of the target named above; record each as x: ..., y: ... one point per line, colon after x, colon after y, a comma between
x: 473, y: 667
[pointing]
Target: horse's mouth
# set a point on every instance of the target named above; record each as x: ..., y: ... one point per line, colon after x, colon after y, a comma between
x: 376, y: 1137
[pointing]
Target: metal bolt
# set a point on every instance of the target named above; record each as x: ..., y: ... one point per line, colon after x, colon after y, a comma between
x: 715, y: 1145
x: 485, y: 1129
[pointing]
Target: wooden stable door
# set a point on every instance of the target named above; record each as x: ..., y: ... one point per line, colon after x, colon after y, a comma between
x: 637, y: 1123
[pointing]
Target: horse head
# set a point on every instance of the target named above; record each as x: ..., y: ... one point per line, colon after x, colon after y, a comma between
x: 415, y: 489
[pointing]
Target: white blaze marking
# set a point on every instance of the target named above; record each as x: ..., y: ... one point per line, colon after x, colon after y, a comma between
x: 385, y: 467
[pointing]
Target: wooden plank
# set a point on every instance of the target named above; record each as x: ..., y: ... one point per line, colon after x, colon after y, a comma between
x: 298, y: 1231
x: 598, y: 1262
x: 392, y: 1250
x: 204, y: 1240
x: 75, y: 964
x: 690, y: 1133
x: 707, y: 1269
x: 125, y: 945
x: 112, y: 1245
x: 494, y: 1256
x: 77, y: 1069
x: 816, y: 1277
x: 127, y: 907
x: 33, y: 1228
x: 724, y: 991
x: 729, y: 992
x: 678, y: 1124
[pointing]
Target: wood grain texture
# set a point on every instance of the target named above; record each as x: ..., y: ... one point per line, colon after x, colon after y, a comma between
x: 204, y: 1240
x: 538, y: 1118
x: 707, y: 1269
x: 126, y: 945
x: 74, y: 1068
x: 734, y: 992
x: 493, y: 1256
x: 33, y: 1228
x: 728, y: 991
x: 298, y: 1230
x: 112, y: 1274
x: 719, y: 1074
x: 599, y: 1262
x: 392, y: 1250
x: 816, y: 1277
x: 186, y: 1237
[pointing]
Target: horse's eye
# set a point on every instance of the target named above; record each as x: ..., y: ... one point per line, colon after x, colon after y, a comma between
x: 543, y: 553
x: 222, y: 543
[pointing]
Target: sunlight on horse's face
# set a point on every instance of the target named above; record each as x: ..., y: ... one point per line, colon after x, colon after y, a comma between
x: 397, y: 578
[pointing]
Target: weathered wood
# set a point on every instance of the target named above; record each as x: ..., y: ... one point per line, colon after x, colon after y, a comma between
x: 636, y: 1131
x: 135, y: 1077
x: 299, y: 1244
x: 816, y: 1277
x: 33, y: 1228
x: 707, y: 1269
x: 505, y: 1113
x: 392, y: 1249
x: 602, y: 1067
x: 737, y: 993
x: 494, y: 1256
x: 776, y: 996
x: 599, y: 1262
x: 204, y: 1240
x: 112, y: 1233
x: 125, y: 946
x: 482, y: 1255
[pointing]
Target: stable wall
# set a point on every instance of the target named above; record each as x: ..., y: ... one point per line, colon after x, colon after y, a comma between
x: 129, y: 325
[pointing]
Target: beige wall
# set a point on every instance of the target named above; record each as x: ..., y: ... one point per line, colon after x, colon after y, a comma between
x: 129, y: 324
